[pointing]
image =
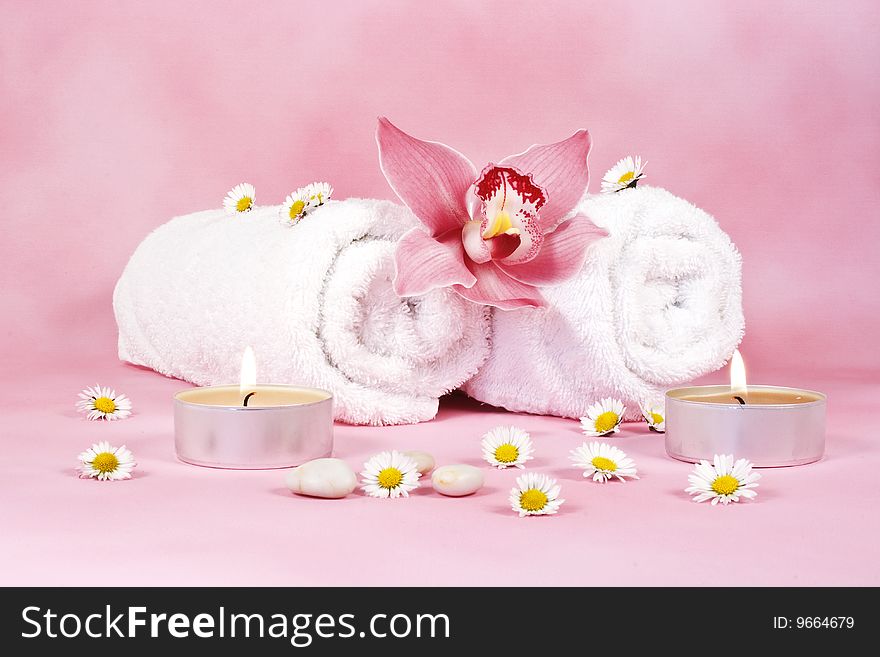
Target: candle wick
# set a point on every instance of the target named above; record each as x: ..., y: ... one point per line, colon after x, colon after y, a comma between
x: 736, y: 397
x: 246, y: 397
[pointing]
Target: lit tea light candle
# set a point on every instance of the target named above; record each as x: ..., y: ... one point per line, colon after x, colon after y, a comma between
x: 252, y: 426
x: 769, y: 425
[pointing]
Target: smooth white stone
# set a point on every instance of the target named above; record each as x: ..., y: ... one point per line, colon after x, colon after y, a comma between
x: 457, y: 480
x: 424, y: 461
x: 330, y: 478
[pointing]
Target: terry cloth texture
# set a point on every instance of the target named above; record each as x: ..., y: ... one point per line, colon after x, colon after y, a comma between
x: 313, y: 300
x: 657, y: 303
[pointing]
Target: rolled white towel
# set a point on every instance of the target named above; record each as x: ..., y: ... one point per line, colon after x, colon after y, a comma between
x: 314, y: 301
x: 657, y: 303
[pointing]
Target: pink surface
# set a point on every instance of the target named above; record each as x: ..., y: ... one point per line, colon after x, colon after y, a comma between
x: 116, y: 115
x: 180, y: 524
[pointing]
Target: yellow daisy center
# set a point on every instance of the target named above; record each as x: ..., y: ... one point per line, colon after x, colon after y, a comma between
x: 601, y: 463
x: 296, y: 209
x: 390, y: 478
x: 607, y: 421
x: 105, y: 462
x: 105, y: 404
x: 725, y: 485
x: 626, y: 178
x: 244, y: 204
x: 656, y: 418
x: 506, y: 453
x: 532, y: 499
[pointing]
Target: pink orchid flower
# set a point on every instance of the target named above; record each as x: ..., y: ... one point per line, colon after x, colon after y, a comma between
x: 493, y: 237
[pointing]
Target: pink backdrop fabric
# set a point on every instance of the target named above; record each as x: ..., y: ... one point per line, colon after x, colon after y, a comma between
x: 114, y: 116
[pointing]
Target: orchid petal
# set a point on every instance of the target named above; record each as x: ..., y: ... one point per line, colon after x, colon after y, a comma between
x: 495, y: 288
x: 431, y: 178
x: 424, y: 263
x: 475, y: 246
x: 561, y: 169
x: 562, y: 254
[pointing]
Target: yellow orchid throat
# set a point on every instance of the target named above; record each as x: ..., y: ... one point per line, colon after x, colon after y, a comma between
x: 500, y: 225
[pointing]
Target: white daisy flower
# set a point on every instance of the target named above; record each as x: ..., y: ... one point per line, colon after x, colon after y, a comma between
x: 603, y: 418
x: 723, y: 481
x: 318, y: 193
x: 626, y: 173
x: 240, y: 199
x: 602, y: 462
x: 103, y: 404
x: 535, y: 495
x: 103, y: 461
x: 506, y: 447
x: 390, y: 474
x: 295, y: 206
x: 654, y: 413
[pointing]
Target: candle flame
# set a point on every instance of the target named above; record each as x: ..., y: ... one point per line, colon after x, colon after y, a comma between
x: 737, y: 374
x: 248, y: 371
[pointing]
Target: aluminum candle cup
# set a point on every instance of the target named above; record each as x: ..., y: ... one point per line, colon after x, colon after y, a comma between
x: 278, y: 427
x: 773, y: 427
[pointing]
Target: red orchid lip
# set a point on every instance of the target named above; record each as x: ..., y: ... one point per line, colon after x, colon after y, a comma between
x: 503, y: 246
x: 510, y: 225
x: 494, y: 178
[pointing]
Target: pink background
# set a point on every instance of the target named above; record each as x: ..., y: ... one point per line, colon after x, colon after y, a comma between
x: 115, y: 116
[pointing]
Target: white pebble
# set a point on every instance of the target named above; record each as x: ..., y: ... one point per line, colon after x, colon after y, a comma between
x: 457, y: 480
x: 330, y: 478
x: 424, y: 461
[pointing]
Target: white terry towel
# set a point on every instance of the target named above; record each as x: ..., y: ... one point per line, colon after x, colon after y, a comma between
x: 657, y: 303
x: 313, y: 300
